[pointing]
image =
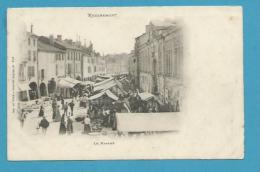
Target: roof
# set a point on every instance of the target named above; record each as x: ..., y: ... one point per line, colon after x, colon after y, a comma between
x: 31, y: 34
x: 68, y: 45
x: 48, y: 47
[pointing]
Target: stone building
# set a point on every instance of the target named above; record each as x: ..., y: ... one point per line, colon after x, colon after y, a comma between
x: 159, y: 55
x: 51, y: 64
x: 73, y: 58
x: 27, y: 59
x: 132, y: 65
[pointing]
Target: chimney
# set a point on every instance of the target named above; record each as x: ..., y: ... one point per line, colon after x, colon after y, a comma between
x: 51, y: 39
x: 59, y: 37
x: 31, y: 28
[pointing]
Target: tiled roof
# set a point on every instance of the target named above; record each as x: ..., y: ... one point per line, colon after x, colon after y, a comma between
x: 63, y: 45
x: 44, y: 46
x: 68, y: 45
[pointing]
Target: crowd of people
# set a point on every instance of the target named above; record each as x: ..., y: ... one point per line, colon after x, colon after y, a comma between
x: 152, y: 105
x: 98, y: 114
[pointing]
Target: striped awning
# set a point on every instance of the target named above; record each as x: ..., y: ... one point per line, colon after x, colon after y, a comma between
x: 67, y: 82
x: 23, y: 87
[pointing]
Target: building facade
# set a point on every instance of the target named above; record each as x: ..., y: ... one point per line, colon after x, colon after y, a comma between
x: 73, y: 57
x: 51, y: 65
x: 43, y: 60
x: 27, y: 75
x: 132, y: 65
x: 159, y: 56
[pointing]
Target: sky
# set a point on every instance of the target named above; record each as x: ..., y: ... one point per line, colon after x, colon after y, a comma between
x: 109, y: 35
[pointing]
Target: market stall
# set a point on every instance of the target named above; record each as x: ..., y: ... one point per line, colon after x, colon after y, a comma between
x: 67, y: 86
x: 23, y: 92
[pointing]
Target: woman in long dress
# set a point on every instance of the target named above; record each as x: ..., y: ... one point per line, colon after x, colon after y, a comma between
x: 57, y: 116
x: 86, y: 123
x: 69, y: 125
x: 63, y: 125
x: 41, y: 113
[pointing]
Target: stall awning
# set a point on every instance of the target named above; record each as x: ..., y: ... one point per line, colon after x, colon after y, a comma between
x: 87, y: 83
x: 23, y: 87
x: 107, y: 92
x: 105, y: 85
x: 103, y: 82
x: 111, y: 95
x: 105, y: 76
x: 67, y: 82
x: 145, y: 96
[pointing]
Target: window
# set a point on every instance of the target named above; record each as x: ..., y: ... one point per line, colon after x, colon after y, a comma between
x: 57, y: 72
x: 78, y: 68
x: 34, y: 55
x: 21, y: 72
x: 176, y: 66
x: 89, y: 69
x: 30, y: 72
x: 69, y: 69
x: 34, y: 42
x: 29, y: 41
x: 62, y: 56
x: 95, y: 69
x: 42, y: 74
x: 29, y: 55
x: 167, y: 62
x: 160, y: 61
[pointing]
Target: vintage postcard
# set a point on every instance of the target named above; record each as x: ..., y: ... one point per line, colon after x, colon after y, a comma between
x: 98, y: 83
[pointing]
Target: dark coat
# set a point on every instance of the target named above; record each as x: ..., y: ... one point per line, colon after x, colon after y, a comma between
x: 70, y: 126
x: 44, y: 123
x: 62, y: 125
x: 41, y: 113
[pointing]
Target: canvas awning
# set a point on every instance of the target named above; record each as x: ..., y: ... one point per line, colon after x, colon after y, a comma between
x: 107, y: 92
x: 23, y: 87
x: 104, y: 76
x: 145, y: 96
x: 103, y: 82
x: 111, y: 95
x: 67, y: 82
x: 105, y: 85
x: 87, y: 83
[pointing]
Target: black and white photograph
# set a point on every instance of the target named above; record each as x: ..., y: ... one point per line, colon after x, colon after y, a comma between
x: 104, y: 83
